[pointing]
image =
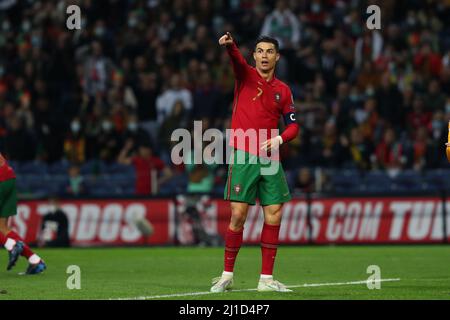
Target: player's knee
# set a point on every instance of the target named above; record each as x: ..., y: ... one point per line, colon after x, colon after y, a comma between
x: 273, y: 215
x: 237, y: 220
x: 274, y: 219
x: 276, y: 214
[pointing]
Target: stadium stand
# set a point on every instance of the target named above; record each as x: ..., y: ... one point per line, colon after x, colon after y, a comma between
x: 373, y: 106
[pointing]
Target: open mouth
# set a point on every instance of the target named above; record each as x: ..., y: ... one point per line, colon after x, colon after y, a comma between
x: 265, y: 63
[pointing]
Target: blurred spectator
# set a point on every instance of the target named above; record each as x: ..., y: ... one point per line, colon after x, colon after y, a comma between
x: 75, y: 185
x: 54, y: 227
x: 369, y: 120
x: 313, y: 110
x: 120, y: 92
x: 108, y: 141
x: 201, y: 176
x: 151, y: 172
x: 177, y: 119
x: 435, y: 98
x: 75, y: 143
x: 92, y: 129
x: 330, y: 151
x: 146, y: 93
x: 304, y: 181
x: 390, y: 154
x: 166, y: 101
x: 19, y: 143
x: 97, y: 71
x: 359, y: 150
x: 283, y: 25
x: 342, y: 107
x: 368, y: 78
x: 135, y: 133
x: 205, y: 97
x: 427, y: 61
x: 419, y: 117
x: 389, y: 100
x: 419, y: 149
x: 368, y: 47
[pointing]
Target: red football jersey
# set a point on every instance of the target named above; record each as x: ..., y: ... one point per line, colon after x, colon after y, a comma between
x: 258, y: 104
x: 143, y: 169
x: 6, y: 172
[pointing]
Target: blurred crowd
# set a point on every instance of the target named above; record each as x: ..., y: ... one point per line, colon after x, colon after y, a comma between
x: 115, y: 90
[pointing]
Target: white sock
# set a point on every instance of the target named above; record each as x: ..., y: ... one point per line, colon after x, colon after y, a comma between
x: 9, y: 244
x: 227, y: 274
x: 266, y: 277
x: 34, y: 259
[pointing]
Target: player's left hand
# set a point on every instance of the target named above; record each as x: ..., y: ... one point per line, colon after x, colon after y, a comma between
x: 272, y: 144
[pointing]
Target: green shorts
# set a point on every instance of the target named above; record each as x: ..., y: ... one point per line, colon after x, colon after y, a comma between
x: 8, y: 198
x: 249, y: 178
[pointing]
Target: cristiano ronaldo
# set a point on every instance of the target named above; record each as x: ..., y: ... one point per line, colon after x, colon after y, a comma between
x: 260, y: 99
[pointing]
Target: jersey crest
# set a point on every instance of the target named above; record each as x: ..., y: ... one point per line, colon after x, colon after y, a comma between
x: 277, y: 97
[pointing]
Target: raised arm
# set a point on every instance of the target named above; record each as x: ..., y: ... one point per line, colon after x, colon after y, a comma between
x: 123, y: 157
x: 240, y: 66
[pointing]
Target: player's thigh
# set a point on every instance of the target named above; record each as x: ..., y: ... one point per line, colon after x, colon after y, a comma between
x: 273, y: 188
x: 241, y: 185
x: 8, y: 198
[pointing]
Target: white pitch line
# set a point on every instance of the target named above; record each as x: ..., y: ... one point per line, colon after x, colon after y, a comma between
x: 189, y: 294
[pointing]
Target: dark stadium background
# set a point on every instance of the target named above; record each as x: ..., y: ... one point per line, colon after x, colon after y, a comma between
x: 75, y: 105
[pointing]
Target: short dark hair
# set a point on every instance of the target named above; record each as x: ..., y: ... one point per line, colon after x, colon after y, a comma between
x: 269, y: 40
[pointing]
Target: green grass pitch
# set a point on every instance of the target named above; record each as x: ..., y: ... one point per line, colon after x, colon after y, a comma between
x: 110, y: 273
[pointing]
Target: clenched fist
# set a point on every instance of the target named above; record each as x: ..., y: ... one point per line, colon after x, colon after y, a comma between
x: 226, y: 39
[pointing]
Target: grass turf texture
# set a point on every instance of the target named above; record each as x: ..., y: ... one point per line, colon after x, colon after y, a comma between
x: 137, y: 272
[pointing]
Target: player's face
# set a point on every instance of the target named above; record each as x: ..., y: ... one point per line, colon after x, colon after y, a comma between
x: 266, y: 56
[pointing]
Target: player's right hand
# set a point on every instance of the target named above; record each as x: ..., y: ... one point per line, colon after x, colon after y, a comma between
x: 226, y: 39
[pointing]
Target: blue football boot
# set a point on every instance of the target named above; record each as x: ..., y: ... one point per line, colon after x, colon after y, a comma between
x: 36, y: 268
x: 14, y: 254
